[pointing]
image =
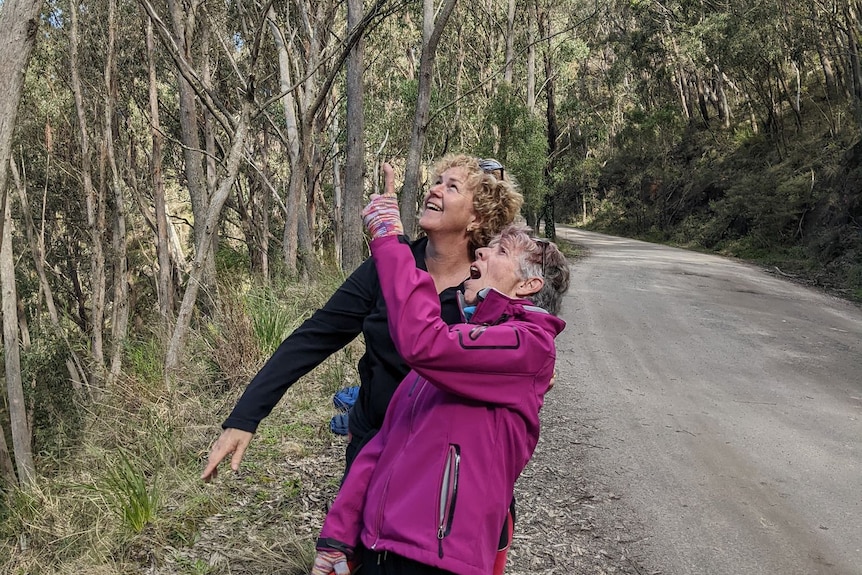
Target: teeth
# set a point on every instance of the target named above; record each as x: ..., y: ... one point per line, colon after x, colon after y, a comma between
x: 433, y: 208
x: 475, y: 273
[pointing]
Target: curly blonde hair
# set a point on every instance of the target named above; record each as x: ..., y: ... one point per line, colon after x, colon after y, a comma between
x: 497, y: 202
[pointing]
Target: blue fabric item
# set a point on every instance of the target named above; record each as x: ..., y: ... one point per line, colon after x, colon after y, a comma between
x: 345, y: 398
x: 468, y: 312
x: 338, y: 424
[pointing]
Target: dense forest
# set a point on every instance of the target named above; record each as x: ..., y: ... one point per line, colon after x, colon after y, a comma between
x: 181, y: 182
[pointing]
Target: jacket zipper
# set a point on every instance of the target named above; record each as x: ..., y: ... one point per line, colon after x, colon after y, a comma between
x: 448, y: 494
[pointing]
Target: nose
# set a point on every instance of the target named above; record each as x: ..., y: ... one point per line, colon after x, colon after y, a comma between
x: 436, y: 189
x: 480, y: 253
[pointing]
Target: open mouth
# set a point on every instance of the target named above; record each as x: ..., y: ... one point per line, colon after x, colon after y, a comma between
x: 475, y: 273
x: 433, y: 207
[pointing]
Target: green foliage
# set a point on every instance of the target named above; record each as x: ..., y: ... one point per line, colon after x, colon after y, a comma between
x: 521, y: 145
x: 272, y: 320
x: 57, y: 413
x: 145, y: 359
x: 230, y: 260
x: 132, y: 492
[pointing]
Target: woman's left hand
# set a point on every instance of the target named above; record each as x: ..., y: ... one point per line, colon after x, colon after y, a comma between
x: 381, y: 216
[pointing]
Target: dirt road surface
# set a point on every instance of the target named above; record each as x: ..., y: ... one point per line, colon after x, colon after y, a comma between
x: 707, y: 419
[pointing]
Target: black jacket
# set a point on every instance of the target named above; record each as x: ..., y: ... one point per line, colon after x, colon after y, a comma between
x: 356, y: 307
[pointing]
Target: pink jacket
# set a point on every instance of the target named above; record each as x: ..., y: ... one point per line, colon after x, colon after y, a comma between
x: 435, y: 483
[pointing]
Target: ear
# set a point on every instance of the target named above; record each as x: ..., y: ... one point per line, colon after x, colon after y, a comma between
x: 474, y: 224
x: 529, y: 287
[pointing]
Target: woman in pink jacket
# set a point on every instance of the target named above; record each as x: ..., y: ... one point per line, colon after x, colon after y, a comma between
x: 428, y: 494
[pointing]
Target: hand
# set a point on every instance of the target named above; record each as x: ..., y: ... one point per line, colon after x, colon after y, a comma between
x: 231, y: 441
x: 381, y: 216
x: 328, y: 562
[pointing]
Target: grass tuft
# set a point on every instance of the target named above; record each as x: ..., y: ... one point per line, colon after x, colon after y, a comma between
x: 135, y: 497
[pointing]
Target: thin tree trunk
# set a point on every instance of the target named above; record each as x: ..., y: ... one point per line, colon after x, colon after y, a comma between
x: 354, y: 164
x: 432, y: 30
x: 288, y: 103
x: 177, y: 343
x: 183, y: 21
x: 531, y: 57
x: 852, y: 28
x: 14, y: 385
x: 164, y: 290
x: 120, y: 309
x: 723, y: 107
x: 510, y: 43
x: 7, y: 468
x: 94, y: 205
x: 337, y: 190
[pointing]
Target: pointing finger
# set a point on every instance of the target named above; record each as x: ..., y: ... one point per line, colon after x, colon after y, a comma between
x: 388, y: 180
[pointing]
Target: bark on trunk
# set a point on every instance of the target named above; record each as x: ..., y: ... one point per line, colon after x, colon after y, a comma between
x: 120, y: 309
x: 431, y: 32
x: 7, y: 468
x: 337, y: 192
x: 184, y: 24
x: 18, y: 20
x: 164, y: 285
x: 852, y: 27
x: 292, y: 134
x: 94, y: 203
x: 17, y: 407
x: 354, y: 165
x: 531, y: 58
x: 510, y: 43
x: 177, y: 343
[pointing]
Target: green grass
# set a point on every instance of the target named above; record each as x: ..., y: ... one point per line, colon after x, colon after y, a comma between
x: 127, y: 499
x: 133, y: 494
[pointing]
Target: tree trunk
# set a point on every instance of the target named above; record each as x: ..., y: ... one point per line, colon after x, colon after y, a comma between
x: 354, y: 164
x: 164, y: 285
x: 19, y: 22
x: 292, y: 134
x: 94, y: 202
x: 183, y: 21
x: 852, y: 28
x: 510, y: 43
x: 14, y: 384
x: 552, y: 125
x: 259, y: 207
x: 120, y: 309
x: 531, y: 57
x: 431, y: 32
x: 7, y: 468
x: 723, y: 107
x: 177, y: 343
x: 337, y: 191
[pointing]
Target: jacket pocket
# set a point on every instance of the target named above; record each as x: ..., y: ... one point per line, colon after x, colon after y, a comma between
x: 448, y: 494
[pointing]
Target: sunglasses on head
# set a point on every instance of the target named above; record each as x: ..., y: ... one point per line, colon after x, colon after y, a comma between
x: 490, y: 165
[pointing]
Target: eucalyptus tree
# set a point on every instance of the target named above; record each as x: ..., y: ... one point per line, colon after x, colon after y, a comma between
x: 18, y: 26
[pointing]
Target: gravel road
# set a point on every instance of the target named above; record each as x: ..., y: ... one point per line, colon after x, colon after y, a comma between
x: 707, y: 419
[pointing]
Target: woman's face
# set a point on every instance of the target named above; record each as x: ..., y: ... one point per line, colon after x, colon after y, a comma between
x: 448, y: 205
x: 496, y: 266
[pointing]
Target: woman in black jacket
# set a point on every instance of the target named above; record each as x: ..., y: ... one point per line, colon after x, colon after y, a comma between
x: 469, y: 202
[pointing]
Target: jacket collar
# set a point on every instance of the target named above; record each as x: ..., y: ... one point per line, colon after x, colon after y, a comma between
x: 495, y: 307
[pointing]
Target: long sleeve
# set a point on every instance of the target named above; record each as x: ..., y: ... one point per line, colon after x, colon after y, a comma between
x: 451, y: 356
x: 329, y: 329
